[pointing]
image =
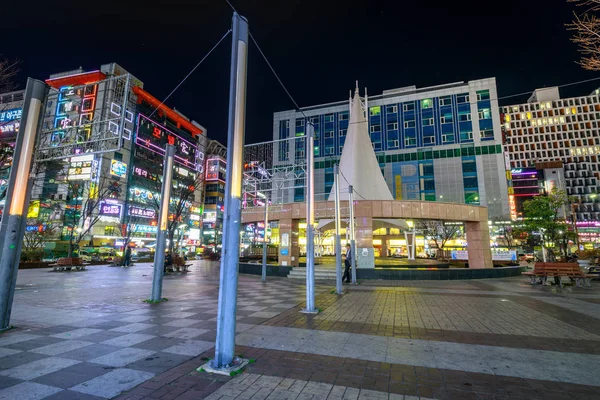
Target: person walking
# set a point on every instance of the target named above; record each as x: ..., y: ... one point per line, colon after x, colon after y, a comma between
x: 127, y: 256
x: 347, y: 263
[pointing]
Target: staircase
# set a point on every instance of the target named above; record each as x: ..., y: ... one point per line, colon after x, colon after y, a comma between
x: 322, y: 273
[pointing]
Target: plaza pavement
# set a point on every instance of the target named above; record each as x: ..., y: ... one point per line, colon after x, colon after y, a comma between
x: 89, y: 335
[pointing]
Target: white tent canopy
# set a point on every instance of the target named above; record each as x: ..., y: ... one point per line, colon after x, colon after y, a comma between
x: 358, y: 165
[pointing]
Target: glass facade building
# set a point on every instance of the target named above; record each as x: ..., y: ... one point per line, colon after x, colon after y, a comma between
x: 441, y: 143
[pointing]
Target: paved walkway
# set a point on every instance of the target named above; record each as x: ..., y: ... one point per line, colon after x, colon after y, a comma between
x: 89, y: 335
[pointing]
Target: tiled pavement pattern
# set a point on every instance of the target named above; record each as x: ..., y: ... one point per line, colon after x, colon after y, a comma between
x: 87, y: 335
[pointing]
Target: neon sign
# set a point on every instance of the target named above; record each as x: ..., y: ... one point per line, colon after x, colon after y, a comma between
x: 10, y: 115
x: 142, y: 212
x: 154, y: 137
x: 110, y: 208
x: 118, y: 168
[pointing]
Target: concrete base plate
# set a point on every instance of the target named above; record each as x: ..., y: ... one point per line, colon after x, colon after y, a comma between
x: 305, y: 311
x: 237, y: 364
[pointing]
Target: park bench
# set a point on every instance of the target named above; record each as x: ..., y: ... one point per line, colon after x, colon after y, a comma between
x: 179, y: 265
x: 542, y: 271
x: 68, y: 263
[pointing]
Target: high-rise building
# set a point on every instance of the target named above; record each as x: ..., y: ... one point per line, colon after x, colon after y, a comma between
x: 548, y: 128
x: 123, y: 178
x: 214, y: 195
x: 440, y: 143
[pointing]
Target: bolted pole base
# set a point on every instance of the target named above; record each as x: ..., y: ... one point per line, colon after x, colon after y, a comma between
x: 232, y: 369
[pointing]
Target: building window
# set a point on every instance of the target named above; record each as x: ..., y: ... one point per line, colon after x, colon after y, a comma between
x: 393, y: 143
x: 487, y: 134
x: 392, y: 109
x: 448, y: 138
x: 410, y: 141
x: 373, y: 111
x: 392, y: 126
x: 328, y: 150
x: 328, y: 118
x: 328, y: 134
x: 464, y: 117
x: 427, y: 121
x: 446, y: 119
x: 377, y: 146
x: 485, y: 113
x: 343, y: 116
x: 408, y: 106
x: 375, y: 128
x: 426, y: 103
x: 483, y: 95
x: 428, y: 139
x: 343, y: 132
x: 462, y: 98
x: 466, y: 136
x: 109, y: 230
x: 409, y: 124
x: 446, y: 101
x: 299, y: 122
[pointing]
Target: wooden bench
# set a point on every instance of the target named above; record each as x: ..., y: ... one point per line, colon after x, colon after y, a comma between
x: 179, y: 265
x: 542, y: 271
x: 68, y: 263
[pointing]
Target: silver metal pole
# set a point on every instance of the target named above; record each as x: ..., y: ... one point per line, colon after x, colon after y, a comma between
x: 310, y: 221
x: 338, y: 239
x: 264, y: 260
x: 225, y: 340
x: 17, y: 199
x: 163, y: 224
x: 352, y: 237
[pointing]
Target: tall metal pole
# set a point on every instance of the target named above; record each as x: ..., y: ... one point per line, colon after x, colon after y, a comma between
x: 310, y: 221
x: 17, y: 198
x: 225, y: 341
x: 352, y: 238
x: 264, y: 259
x: 163, y: 224
x: 338, y: 239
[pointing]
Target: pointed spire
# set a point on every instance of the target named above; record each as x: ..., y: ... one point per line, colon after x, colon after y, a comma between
x: 356, y: 93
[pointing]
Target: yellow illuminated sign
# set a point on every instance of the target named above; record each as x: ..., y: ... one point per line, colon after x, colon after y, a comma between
x: 398, y: 187
x: 34, y: 209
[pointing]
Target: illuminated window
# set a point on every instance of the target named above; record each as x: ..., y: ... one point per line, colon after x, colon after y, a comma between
x: 515, y: 108
x: 373, y: 111
x: 548, y: 104
x: 543, y: 106
x: 573, y: 110
x: 507, y: 118
x: 528, y: 115
x: 426, y: 103
x: 485, y: 113
x: 462, y: 98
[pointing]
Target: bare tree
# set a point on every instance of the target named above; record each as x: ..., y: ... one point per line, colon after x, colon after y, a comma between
x: 586, y: 28
x: 183, y: 189
x: 506, y: 234
x: 34, y: 241
x: 439, y: 231
x: 8, y: 72
x: 87, y: 197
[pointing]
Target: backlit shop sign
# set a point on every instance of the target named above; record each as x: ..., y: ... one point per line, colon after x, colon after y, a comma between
x: 10, y: 115
x: 142, y: 212
x: 10, y: 127
x: 143, y: 173
x: 110, y: 208
x: 154, y: 137
x: 144, y: 229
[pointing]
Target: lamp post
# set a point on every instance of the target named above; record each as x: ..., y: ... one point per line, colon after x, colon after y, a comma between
x: 310, y: 222
x: 352, y: 237
x: 163, y: 225
x: 264, y: 249
x: 17, y: 197
x: 338, y: 239
x: 225, y: 361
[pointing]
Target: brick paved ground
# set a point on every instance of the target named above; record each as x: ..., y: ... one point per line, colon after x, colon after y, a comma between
x: 88, y: 335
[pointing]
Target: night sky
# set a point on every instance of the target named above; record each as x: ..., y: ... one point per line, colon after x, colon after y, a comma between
x: 319, y: 48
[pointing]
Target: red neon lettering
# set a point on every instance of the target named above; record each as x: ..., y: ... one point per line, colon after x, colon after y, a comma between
x: 156, y: 133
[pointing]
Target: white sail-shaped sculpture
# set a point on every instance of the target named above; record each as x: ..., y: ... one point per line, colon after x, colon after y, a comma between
x: 358, y: 163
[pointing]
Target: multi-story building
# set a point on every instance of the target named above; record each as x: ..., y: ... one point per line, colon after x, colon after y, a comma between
x: 214, y: 195
x: 122, y: 177
x: 548, y: 128
x: 11, y: 106
x: 440, y: 143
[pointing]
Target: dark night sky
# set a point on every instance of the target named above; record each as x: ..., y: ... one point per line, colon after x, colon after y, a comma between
x: 319, y: 48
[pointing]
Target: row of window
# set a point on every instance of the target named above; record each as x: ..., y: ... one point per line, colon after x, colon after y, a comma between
x: 553, y: 104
